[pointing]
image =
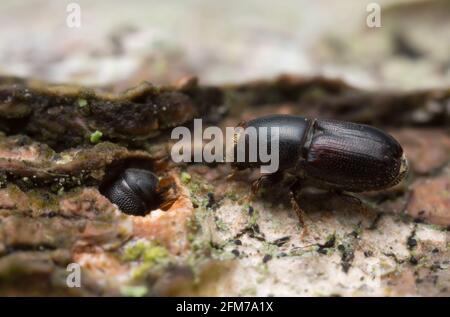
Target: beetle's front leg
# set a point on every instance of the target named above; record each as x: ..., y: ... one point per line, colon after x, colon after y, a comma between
x: 349, y: 197
x: 293, y: 189
x: 264, y: 180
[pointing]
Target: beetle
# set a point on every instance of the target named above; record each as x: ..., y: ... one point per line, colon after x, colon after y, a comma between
x: 327, y: 154
x: 134, y: 191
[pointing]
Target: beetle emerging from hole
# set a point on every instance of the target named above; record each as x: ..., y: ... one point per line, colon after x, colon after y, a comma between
x: 134, y: 191
x: 326, y: 154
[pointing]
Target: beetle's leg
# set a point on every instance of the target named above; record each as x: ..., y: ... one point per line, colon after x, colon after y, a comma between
x: 256, y: 184
x: 298, y: 210
x: 348, y: 196
x: 354, y: 199
x: 264, y: 179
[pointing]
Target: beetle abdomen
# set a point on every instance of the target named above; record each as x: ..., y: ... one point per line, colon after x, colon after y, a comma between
x: 353, y: 157
x: 127, y: 201
x: 133, y: 191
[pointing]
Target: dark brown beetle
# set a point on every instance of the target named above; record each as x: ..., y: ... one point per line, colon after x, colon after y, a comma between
x: 134, y: 191
x: 329, y: 154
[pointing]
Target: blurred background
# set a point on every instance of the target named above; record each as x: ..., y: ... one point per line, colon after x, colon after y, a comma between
x: 121, y: 43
